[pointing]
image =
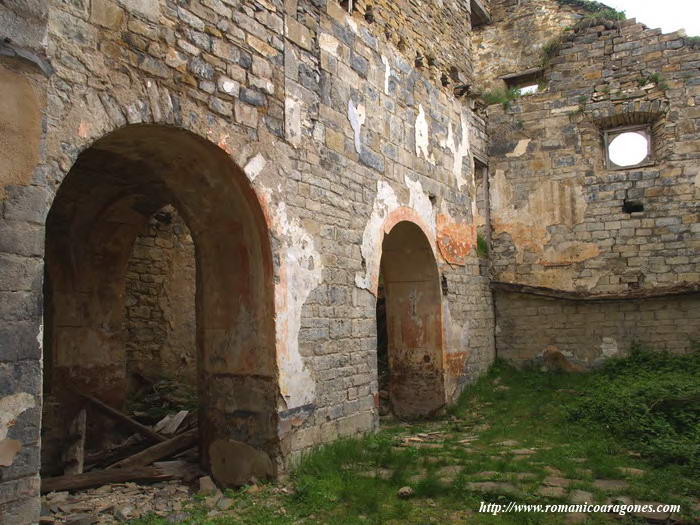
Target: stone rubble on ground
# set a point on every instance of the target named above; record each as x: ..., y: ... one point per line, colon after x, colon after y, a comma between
x: 114, y: 503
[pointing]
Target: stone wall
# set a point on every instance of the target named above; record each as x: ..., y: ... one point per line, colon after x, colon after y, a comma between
x: 369, y: 111
x: 587, y: 332
x: 23, y: 85
x: 160, y: 296
x: 436, y: 34
x: 336, y: 135
x: 557, y: 216
x: 557, y: 211
x: 513, y: 42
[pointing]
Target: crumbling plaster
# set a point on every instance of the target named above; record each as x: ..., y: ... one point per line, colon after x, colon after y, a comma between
x: 387, y: 211
x: 11, y: 407
x: 554, y: 203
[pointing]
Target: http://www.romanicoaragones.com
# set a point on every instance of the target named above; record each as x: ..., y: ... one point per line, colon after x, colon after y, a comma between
x: 619, y: 509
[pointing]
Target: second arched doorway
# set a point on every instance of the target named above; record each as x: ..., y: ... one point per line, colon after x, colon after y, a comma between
x: 409, y: 323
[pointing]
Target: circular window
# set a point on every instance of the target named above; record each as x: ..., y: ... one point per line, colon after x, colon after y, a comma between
x: 628, y: 149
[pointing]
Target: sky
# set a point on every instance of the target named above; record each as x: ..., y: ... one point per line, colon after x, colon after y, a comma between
x: 669, y: 15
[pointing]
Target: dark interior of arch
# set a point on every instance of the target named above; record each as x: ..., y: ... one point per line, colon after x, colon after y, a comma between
x: 413, y: 323
x: 102, y: 205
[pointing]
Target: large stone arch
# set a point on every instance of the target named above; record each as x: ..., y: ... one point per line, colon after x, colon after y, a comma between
x: 115, y: 184
x: 414, y: 317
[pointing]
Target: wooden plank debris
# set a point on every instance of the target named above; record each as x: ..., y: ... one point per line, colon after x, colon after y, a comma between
x: 119, y: 416
x: 104, y: 477
x: 158, y: 451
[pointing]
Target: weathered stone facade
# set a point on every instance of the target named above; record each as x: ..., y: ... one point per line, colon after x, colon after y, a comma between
x: 558, y: 218
x: 338, y: 138
x: 296, y: 141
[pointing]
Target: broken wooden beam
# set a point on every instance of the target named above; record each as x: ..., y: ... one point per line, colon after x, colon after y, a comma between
x: 158, y: 451
x: 98, y: 478
x: 119, y: 416
x: 171, y: 423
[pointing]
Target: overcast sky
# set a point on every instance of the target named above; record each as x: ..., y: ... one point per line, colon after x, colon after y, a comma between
x: 669, y: 15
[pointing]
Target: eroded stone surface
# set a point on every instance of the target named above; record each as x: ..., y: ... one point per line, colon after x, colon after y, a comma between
x: 234, y: 464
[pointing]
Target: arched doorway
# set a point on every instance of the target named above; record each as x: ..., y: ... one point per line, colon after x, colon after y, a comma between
x: 409, y: 298
x: 102, y: 205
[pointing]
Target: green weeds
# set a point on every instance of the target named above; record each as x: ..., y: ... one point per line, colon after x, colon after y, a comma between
x: 482, y: 247
x: 654, y: 78
x: 501, y: 96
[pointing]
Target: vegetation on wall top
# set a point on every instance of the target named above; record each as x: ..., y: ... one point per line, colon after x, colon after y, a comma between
x: 596, y: 9
x: 597, y: 14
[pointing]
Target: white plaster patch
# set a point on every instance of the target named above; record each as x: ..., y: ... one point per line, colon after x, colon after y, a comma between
x: 419, y: 201
x: 357, y: 117
x: 520, y: 148
x: 385, y: 202
x: 10, y: 409
x: 459, y: 150
x: 422, y: 132
x: 292, y: 120
x: 301, y: 273
x: 609, y: 347
x: 387, y: 74
x: 255, y: 166
x: 501, y: 194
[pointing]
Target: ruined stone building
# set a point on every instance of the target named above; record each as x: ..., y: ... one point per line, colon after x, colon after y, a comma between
x: 220, y: 190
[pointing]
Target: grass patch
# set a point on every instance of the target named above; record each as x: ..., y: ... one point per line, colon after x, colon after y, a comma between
x: 651, y: 400
x: 581, y: 427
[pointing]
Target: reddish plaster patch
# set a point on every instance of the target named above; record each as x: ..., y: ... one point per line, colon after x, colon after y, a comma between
x: 455, y: 239
x: 223, y: 144
x: 412, y: 328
